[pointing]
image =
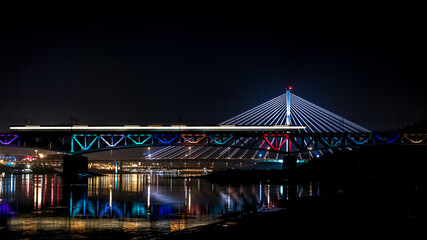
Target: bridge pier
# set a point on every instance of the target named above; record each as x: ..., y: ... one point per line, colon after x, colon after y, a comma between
x: 118, y: 167
x: 289, y: 162
x: 73, y: 166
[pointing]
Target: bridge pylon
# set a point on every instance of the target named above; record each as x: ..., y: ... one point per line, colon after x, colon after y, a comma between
x: 288, y: 115
x: 288, y: 106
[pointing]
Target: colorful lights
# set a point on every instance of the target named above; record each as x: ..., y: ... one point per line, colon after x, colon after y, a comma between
x: 221, y: 139
x: 8, y: 139
x: 386, y: 139
x: 193, y: 138
x: 166, y: 138
x: 276, y: 140
x: 246, y: 134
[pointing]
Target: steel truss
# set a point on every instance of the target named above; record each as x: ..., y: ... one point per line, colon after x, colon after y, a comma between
x: 268, y: 142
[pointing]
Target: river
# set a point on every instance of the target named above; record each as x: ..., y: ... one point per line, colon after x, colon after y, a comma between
x: 136, y: 204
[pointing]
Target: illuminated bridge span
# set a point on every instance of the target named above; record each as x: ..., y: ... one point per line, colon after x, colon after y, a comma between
x: 286, y: 124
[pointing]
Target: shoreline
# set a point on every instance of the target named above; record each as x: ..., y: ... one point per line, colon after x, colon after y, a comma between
x: 331, y: 216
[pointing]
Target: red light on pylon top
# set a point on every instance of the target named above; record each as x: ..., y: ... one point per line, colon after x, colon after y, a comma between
x: 289, y: 88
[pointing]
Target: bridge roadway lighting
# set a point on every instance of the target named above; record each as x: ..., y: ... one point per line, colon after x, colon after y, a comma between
x: 221, y: 128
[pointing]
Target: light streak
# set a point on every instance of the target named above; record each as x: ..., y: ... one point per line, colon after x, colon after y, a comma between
x: 163, y: 128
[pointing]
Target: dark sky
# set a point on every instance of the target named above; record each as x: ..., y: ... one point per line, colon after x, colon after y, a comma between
x: 143, y: 65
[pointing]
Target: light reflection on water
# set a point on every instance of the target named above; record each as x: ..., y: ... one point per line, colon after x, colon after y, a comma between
x: 131, y: 203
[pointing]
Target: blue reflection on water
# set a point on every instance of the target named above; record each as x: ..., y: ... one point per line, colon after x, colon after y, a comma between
x: 138, y: 209
x: 86, y: 208
x: 6, y: 212
x: 113, y: 201
x: 83, y: 208
x: 111, y: 209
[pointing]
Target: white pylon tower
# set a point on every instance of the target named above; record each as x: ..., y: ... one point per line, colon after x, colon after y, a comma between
x: 288, y: 106
x: 288, y: 113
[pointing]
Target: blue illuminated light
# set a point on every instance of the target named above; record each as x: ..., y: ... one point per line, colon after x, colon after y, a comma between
x: 221, y: 141
x: 83, y: 208
x: 110, y: 211
x: 175, y: 136
x: 139, y: 142
x: 138, y: 209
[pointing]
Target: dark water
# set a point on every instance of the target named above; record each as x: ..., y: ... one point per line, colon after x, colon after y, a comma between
x: 34, y: 205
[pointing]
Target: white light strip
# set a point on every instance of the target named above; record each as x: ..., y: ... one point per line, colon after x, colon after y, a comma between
x: 164, y: 128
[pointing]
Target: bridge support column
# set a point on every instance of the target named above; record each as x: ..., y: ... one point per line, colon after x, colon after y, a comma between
x: 118, y: 167
x: 73, y: 166
x: 289, y: 162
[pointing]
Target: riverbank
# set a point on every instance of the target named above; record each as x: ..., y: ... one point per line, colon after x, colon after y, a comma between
x: 333, y: 217
x: 366, y: 193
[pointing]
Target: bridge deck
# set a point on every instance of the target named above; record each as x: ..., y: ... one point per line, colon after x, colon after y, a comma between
x: 209, y: 140
x: 148, y: 129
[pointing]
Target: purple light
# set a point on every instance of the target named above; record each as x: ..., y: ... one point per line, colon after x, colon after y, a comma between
x: 5, y: 210
x: 6, y: 142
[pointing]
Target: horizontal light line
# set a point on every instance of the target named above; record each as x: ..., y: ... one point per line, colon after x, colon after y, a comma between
x: 162, y: 128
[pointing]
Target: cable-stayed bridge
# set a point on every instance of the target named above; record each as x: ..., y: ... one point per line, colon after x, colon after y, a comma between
x: 286, y: 124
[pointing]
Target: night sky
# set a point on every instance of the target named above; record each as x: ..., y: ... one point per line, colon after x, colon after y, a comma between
x: 129, y: 65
